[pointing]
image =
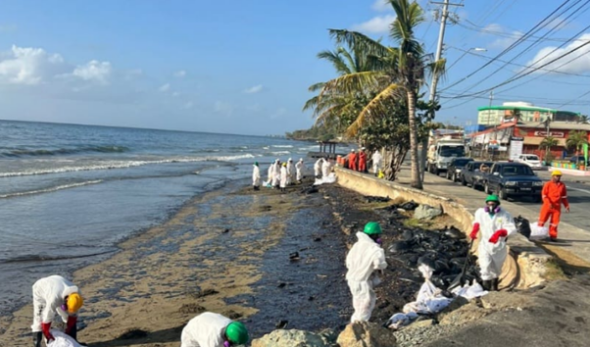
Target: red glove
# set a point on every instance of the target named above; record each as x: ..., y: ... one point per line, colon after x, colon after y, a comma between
x: 500, y: 233
x: 71, y: 324
x: 45, y: 328
x: 474, y: 231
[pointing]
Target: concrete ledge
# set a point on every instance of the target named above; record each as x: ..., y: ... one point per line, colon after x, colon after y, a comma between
x: 527, y: 266
x: 571, y: 172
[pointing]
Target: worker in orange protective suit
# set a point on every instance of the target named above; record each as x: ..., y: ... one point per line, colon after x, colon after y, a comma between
x: 362, y: 160
x: 554, y: 194
x: 352, y: 157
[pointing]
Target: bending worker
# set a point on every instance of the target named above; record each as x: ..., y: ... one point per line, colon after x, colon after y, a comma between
x: 50, y: 295
x: 213, y: 330
x: 364, y: 258
x: 495, y: 225
x: 300, y: 167
x: 362, y: 160
x: 554, y: 194
x: 317, y: 168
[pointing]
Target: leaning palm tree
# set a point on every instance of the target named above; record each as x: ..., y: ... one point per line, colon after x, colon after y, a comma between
x: 583, y: 119
x: 336, y: 107
x: 397, y: 72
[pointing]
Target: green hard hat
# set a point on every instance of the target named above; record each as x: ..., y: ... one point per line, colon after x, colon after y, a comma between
x: 256, y: 163
x: 492, y: 197
x: 236, y: 332
x: 372, y: 228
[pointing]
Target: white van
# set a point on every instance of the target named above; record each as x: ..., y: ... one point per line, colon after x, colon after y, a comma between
x: 531, y: 160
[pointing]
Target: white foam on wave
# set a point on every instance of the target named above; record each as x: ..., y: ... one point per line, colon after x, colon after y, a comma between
x: 282, y: 146
x: 121, y: 165
x: 280, y: 153
x: 49, y: 190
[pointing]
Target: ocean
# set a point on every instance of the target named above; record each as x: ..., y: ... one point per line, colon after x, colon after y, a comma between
x: 70, y: 193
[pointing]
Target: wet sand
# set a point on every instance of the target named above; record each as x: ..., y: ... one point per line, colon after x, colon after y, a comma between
x: 228, y: 252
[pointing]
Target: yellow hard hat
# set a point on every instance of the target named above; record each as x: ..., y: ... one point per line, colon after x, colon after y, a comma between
x: 556, y: 173
x: 74, y: 302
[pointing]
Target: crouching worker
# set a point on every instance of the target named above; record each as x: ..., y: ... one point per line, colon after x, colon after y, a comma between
x: 213, y: 330
x: 54, y: 294
x: 495, y: 225
x: 364, y: 258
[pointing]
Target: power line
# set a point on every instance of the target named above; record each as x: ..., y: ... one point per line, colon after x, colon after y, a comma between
x: 508, y: 49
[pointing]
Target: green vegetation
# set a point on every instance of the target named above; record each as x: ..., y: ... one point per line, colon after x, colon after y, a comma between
x: 376, y: 97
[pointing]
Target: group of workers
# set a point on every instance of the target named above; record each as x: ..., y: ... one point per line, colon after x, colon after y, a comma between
x: 357, y: 161
x: 280, y: 174
x: 493, y: 225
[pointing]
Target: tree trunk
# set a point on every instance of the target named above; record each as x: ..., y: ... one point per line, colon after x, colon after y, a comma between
x: 415, y: 165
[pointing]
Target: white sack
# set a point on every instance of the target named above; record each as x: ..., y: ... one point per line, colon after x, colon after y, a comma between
x: 538, y: 232
x: 331, y: 178
x: 62, y: 340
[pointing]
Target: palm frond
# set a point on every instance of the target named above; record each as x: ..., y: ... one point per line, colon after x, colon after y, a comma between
x: 358, y: 42
x: 336, y: 60
x: 317, y: 86
x: 355, y: 82
x: 376, y: 107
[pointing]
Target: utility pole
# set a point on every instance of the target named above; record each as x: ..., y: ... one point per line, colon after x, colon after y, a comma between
x: 439, y: 48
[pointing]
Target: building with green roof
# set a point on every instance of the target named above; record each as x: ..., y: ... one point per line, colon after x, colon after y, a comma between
x: 528, y: 113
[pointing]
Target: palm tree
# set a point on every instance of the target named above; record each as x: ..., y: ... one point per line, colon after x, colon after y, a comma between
x: 342, y: 108
x: 577, y: 139
x: 583, y: 119
x: 396, y: 72
x: 548, y: 143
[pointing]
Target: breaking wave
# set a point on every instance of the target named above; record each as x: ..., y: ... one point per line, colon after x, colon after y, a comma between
x: 121, y: 165
x: 49, y: 190
x: 62, y: 151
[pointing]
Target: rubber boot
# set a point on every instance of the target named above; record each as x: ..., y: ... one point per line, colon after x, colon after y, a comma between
x: 487, y: 285
x: 37, y: 337
x: 495, y: 283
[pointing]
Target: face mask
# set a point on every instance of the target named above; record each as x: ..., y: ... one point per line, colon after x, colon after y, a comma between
x: 379, y: 241
x: 64, y: 307
x: 492, y: 208
x: 226, y: 344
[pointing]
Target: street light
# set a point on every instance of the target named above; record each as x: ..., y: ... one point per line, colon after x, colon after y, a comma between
x: 475, y: 49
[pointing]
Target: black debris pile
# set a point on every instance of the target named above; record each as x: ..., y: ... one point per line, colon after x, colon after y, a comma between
x: 309, y: 190
x: 444, y: 250
x: 523, y: 226
x: 371, y: 199
x: 409, y: 206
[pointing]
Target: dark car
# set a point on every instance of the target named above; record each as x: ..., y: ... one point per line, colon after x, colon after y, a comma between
x: 513, y: 179
x: 455, y: 167
x: 472, y: 174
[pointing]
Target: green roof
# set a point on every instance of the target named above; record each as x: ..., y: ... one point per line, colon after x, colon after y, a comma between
x: 526, y: 108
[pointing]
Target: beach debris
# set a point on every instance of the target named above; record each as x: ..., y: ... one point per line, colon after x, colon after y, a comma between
x: 282, y: 285
x: 199, y: 293
x: 231, y: 314
x: 523, y: 226
x: 371, y: 199
x: 409, y: 206
x: 317, y: 239
x: 293, y: 256
x: 226, y: 230
x: 291, y: 338
x: 426, y: 212
x: 282, y: 324
x: 191, y: 308
x: 362, y: 334
x: 265, y: 208
x: 309, y: 190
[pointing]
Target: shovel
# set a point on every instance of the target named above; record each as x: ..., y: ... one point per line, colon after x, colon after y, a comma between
x: 459, y: 280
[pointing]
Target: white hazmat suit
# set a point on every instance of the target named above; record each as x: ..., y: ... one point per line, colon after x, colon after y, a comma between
x: 364, y: 257
x: 256, y: 176
x: 276, y: 173
x: 376, y: 158
x: 326, y: 168
x: 491, y: 256
x: 300, y: 167
x: 284, y: 177
x: 290, y: 172
x: 48, y: 296
x: 317, y: 167
x: 205, y: 330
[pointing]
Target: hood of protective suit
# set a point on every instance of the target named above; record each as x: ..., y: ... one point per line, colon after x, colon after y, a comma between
x: 489, y: 225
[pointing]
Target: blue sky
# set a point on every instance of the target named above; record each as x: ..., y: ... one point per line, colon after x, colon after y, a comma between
x: 244, y: 66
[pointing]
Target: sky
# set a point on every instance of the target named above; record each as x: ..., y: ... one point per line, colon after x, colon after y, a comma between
x: 244, y: 66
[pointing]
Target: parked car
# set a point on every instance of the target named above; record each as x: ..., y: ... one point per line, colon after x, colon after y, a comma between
x: 531, y: 160
x: 472, y: 174
x: 455, y: 167
x: 513, y: 179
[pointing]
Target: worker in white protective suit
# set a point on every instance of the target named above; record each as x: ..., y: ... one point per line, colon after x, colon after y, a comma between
x: 365, y: 256
x: 317, y: 168
x: 377, y: 159
x: 256, y: 176
x: 213, y: 330
x: 284, y: 177
x: 300, y: 167
x: 51, y: 295
x: 326, y: 168
x: 290, y: 171
x: 495, y: 225
x: 276, y: 173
